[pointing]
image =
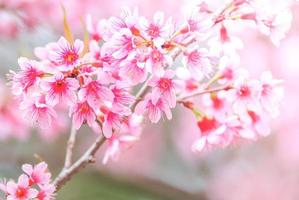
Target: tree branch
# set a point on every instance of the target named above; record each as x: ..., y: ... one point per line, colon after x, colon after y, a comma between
x: 88, y: 157
x: 70, y: 147
x: 203, y: 91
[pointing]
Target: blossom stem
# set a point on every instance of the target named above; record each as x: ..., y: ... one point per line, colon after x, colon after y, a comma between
x: 88, y: 157
x: 201, y: 92
x: 70, y: 147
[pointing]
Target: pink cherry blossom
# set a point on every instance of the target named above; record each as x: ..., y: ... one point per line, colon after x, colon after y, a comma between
x: 156, y: 28
x: 28, y: 77
x: 115, y: 143
x: 164, y: 87
x: 153, y: 109
x: 198, y: 61
x: 157, y: 61
x: 212, y: 132
x: 37, y: 174
x: 95, y: 93
x: 271, y: 93
x: 37, y: 110
x: 276, y: 25
x: 64, y: 54
x: 47, y: 192
x: 20, y: 190
x: 60, y: 89
x: 82, y: 112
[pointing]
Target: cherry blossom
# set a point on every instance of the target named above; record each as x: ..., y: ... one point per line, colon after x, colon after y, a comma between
x: 82, y: 112
x: 20, y: 190
x: 153, y: 108
x: 38, y: 174
x: 60, y: 89
x: 64, y: 54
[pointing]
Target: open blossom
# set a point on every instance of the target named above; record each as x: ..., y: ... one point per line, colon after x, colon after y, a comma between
x: 276, y: 25
x: 115, y: 144
x: 37, y: 174
x: 82, y: 112
x: 20, y: 190
x: 164, y: 87
x: 37, y: 110
x: 95, y: 93
x: 245, y: 93
x: 271, y: 93
x: 60, y: 89
x: 64, y: 54
x: 29, y: 75
x: 157, y: 61
x: 47, y: 192
x: 156, y: 28
x: 212, y: 132
x: 199, y: 62
x: 153, y: 108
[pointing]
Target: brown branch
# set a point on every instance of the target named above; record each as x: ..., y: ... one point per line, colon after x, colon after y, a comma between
x: 70, y: 147
x: 88, y: 157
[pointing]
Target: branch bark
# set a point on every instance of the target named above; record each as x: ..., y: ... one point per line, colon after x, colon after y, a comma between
x: 88, y: 157
x: 70, y: 147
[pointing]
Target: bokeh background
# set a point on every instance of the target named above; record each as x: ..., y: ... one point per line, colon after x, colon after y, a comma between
x: 161, y: 165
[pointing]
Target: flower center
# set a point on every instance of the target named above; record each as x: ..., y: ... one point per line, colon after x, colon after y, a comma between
x: 207, y: 125
x: 164, y: 84
x: 21, y: 192
x: 153, y: 31
x: 70, y: 57
x: 244, y: 91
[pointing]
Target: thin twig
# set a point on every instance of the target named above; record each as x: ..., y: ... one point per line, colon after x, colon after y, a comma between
x: 88, y: 157
x: 70, y: 147
x: 201, y: 92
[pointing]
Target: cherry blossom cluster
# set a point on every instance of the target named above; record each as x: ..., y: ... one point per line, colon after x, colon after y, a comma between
x: 34, y: 183
x: 169, y: 62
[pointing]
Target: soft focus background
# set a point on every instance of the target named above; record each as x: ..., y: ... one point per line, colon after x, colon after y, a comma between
x: 161, y: 166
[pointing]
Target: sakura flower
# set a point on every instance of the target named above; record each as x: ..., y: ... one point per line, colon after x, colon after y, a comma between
x: 113, y: 119
x: 156, y: 28
x: 122, y: 97
x: 164, y: 87
x: 198, y: 61
x: 64, y: 54
x: 38, y: 174
x: 133, y: 70
x: 212, y: 132
x: 20, y: 190
x: 38, y: 110
x: 225, y: 43
x: 121, y: 44
x: 28, y: 77
x: 95, y: 93
x: 257, y: 122
x: 153, y: 108
x: 47, y: 192
x: 216, y: 105
x: 128, y: 19
x: 115, y: 143
x: 157, y: 61
x: 271, y: 94
x: 244, y: 93
x: 60, y: 89
x: 98, y: 30
x: 276, y: 25
x: 82, y: 112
